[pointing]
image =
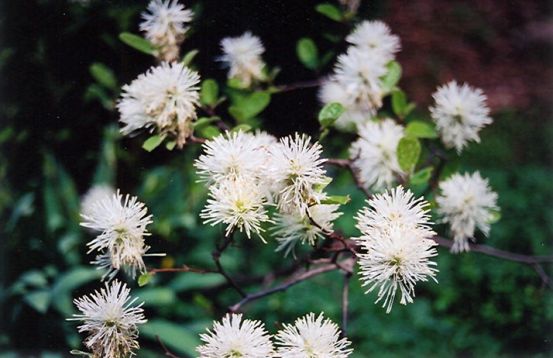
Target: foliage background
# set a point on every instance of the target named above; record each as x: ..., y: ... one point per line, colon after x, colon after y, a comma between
x: 58, y: 135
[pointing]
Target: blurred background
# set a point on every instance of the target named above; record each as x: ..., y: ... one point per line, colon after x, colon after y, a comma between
x: 59, y: 136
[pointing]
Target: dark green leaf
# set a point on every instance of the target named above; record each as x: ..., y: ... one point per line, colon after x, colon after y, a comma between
x: 104, y: 75
x: 421, y: 129
x: 307, y: 53
x: 408, y: 152
x: 330, y: 113
x: 195, y: 282
x: 156, y: 296
x: 39, y: 300
x: 391, y: 78
x: 209, y: 132
x: 67, y: 283
x: 422, y: 176
x: 204, y: 121
x: 137, y: 42
x: 153, y: 142
x: 399, y: 102
x: 249, y: 106
x: 209, y: 92
x: 187, y: 59
x: 330, y: 11
x: 175, y: 336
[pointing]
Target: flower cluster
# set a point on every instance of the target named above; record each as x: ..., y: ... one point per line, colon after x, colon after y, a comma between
x: 357, y: 81
x: 466, y: 202
x: 110, y: 318
x: 164, y: 26
x: 243, y: 57
x: 397, y: 240
x: 460, y: 112
x: 246, y: 172
x: 121, y: 223
x: 309, y: 336
x: 164, y: 99
x: 374, y: 154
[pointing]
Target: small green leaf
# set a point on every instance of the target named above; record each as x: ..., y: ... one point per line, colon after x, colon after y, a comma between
x: 241, y: 127
x: 187, y: 59
x: 320, y: 187
x: 153, y: 142
x: 249, y: 106
x: 399, y: 102
x: 421, y: 129
x: 204, y: 121
x: 39, y: 300
x: 156, y: 296
x: 422, y: 176
x: 170, y: 145
x: 175, y: 336
x: 330, y: 11
x: 330, y: 113
x: 209, y: 132
x: 336, y: 199
x: 495, y: 216
x: 209, y: 92
x: 408, y: 152
x: 137, y: 42
x: 144, y: 279
x: 307, y: 53
x: 103, y: 75
x: 391, y: 78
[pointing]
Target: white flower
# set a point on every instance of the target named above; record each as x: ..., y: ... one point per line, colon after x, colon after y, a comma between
x: 237, y: 203
x: 395, y: 207
x: 234, y: 338
x: 296, y: 167
x: 164, y: 98
x: 93, y: 195
x: 111, y: 321
x: 293, y: 228
x: 375, y: 37
x: 460, y: 112
x: 164, y: 26
x: 243, y: 55
x: 374, y: 154
x: 232, y: 155
x: 396, y: 257
x: 466, y: 202
x: 122, y: 226
x: 354, y: 114
x: 313, y: 337
x: 360, y: 73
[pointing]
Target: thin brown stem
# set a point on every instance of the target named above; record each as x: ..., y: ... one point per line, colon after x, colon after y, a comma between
x: 166, y: 351
x: 217, y: 259
x: 300, y: 85
x: 345, y: 303
x: 183, y: 268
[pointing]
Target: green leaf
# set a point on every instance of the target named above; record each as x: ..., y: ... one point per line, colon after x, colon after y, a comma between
x: 209, y: 132
x: 330, y: 113
x: 241, y: 127
x: 153, y: 142
x: 34, y: 278
x: 196, y: 282
x: 204, y: 121
x: 187, y: 59
x: 391, y: 78
x: 144, y: 279
x: 321, y: 186
x: 107, y: 159
x: 408, y: 152
x: 209, y: 92
x: 104, y: 75
x: 494, y: 217
x: 156, y: 296
x: 170, y: 145
x: 421, y: 129
x: 137, y: 42
x: 307, y: 53
x: 171, y: 334
x: 39, y: 300
x: 399, y: 102
x: 336, y: 199
x: 422, y: 176
x: 248, y: 106
x: 67, y: 283
x: 330, y: 11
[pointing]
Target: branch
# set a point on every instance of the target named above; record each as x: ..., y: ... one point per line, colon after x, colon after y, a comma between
x: 293, y: 280
x: 184, y: 268
x: 217, y: 259
x: 165, y: 350
x: 348, y: 164
x: 300, y: 85
x: 345, y: 303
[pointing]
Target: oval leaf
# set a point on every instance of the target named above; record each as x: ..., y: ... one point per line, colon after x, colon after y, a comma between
x: 391, y: 78
x: 422, y: 176
x: 330, y: 11
x: 307, y: 53
x: 104, y: 75
x: 209, y: 92
x: 153, y: 142
x: 330, y: 113
x: 408, y: 152
x: 421, y: 129
x: 137, y: 42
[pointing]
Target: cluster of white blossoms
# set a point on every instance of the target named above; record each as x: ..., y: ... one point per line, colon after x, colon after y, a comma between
x: 466, y: 202
x: 110, y: 319
x: 243, y: 57
x: 247, y: 172
x: 357, y: 81
x: 460, y: 112
x: 374, y: 153
x: 164, y: 99
x: 309, y: 336
x: 397, y: 240
x: 121, y: 223
x: 164, y: 25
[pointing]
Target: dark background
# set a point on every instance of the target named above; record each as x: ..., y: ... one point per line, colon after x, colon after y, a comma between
x: 57, y: 139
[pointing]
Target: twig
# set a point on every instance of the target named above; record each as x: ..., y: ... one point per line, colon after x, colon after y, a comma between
x: 345, y: 303
x: 217, y: 259
x: 347, y: 164
x: 165, y: 350
x: 300, y: 85
x: 184, y: 268
x: 295, y: 279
